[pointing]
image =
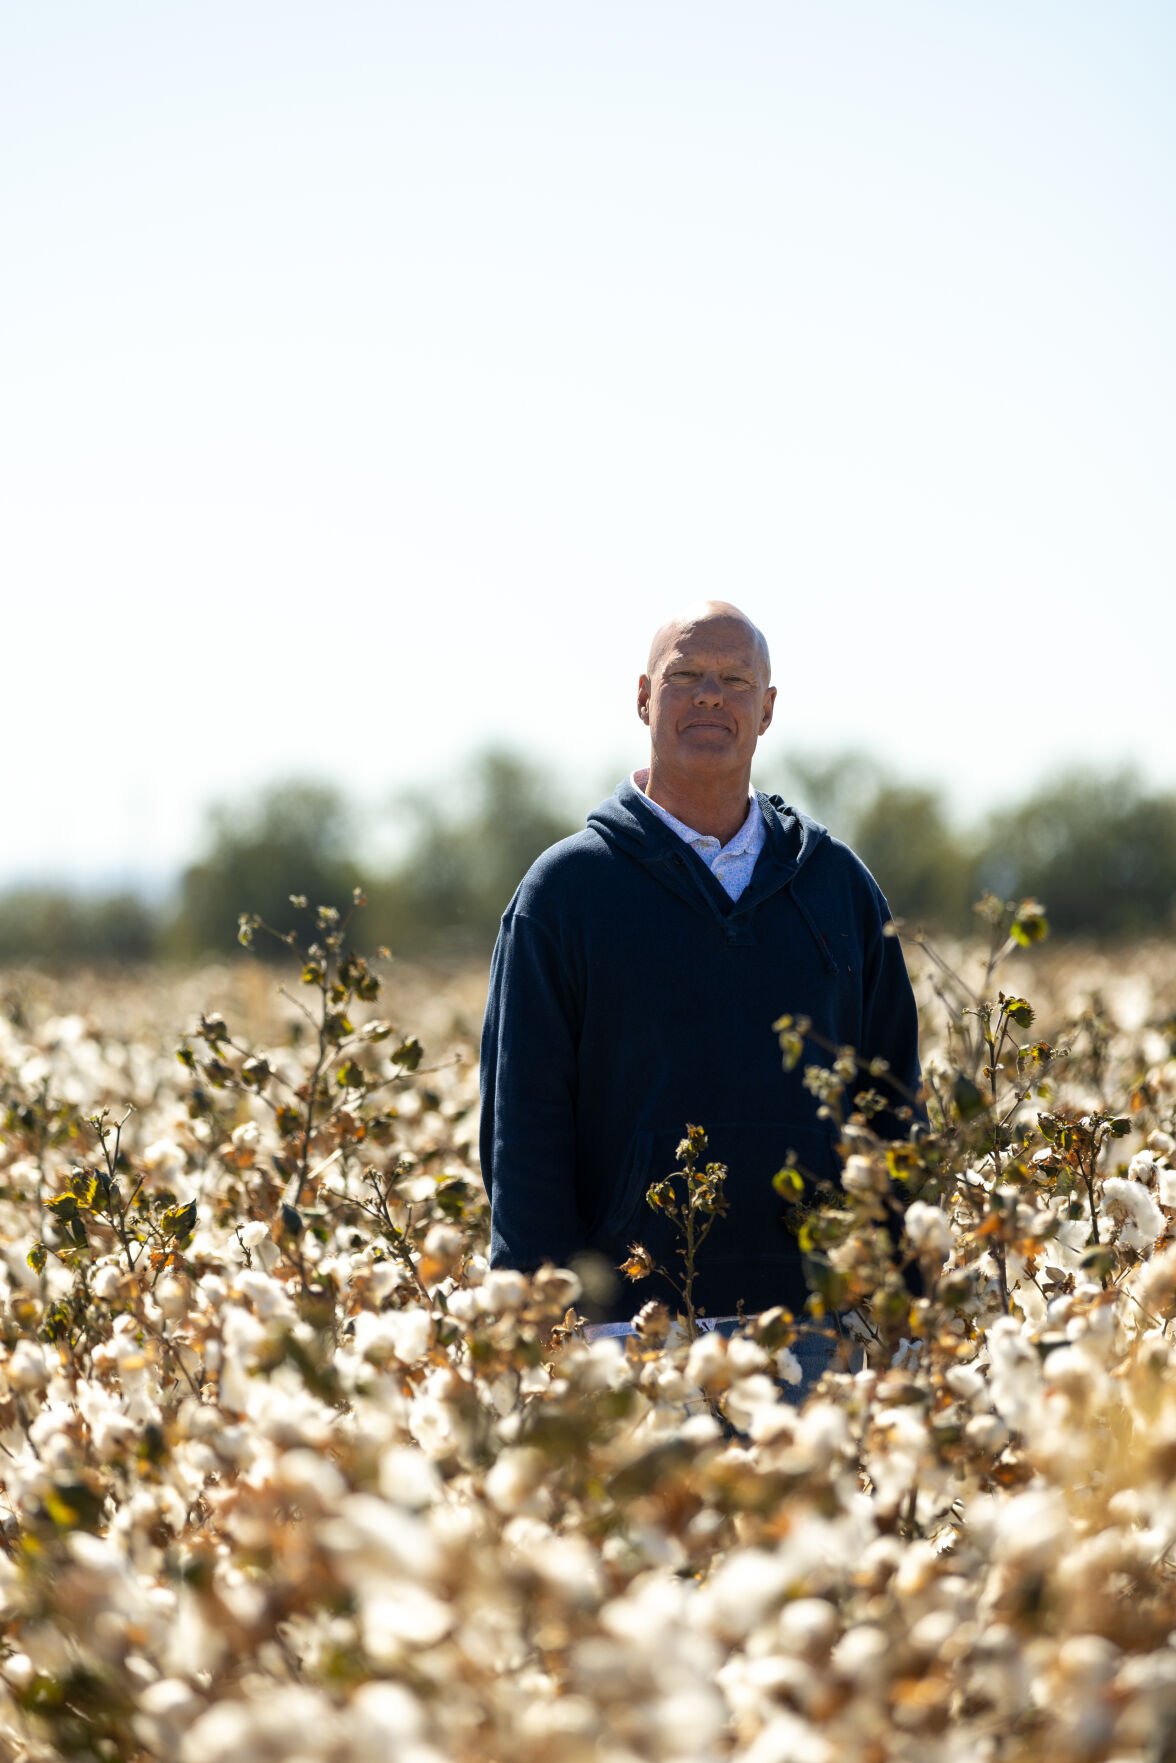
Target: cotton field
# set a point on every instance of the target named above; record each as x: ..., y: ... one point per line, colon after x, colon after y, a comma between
x: 286, y: 1473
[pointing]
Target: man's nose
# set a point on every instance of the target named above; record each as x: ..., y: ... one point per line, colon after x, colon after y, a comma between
x: 709, y: 689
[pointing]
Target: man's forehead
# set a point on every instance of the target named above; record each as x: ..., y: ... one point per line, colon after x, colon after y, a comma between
x: 726, y: 645
x: 728, y: 636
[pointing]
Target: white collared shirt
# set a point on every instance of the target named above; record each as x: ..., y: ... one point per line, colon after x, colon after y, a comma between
x: 730, y: 864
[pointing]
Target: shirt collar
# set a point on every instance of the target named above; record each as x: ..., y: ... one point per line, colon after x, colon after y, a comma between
x: 749, y: 838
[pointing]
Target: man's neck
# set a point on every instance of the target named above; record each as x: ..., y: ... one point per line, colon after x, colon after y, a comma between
x: 715, y: 807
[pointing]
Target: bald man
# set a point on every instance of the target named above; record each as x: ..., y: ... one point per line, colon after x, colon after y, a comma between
x: 636, y: 978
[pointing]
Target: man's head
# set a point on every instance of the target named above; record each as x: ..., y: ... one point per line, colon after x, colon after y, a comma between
x: 707, y: 694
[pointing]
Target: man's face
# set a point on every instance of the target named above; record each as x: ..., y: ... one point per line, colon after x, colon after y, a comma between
x: 706, y: 699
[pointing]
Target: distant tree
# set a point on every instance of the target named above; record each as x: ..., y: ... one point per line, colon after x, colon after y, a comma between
x: 294, y: 837
x: 925, y: 869
x: 60, y: 927
x: 467, y: 855
x: 1097, y: 849
x: 838, y: 789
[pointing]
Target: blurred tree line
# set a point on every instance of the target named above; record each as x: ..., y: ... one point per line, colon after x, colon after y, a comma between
x: 1098, y: 849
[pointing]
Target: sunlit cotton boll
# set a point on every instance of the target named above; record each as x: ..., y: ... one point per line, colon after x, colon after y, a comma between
x: 164, y: 1160
x: 385, y: 1726
x: 286, y: 1722
x: 929, y: 1229
x: 516, y: 1482
x: 788, y: 1739
x: 862, y: 1175
x: 28, y: 1366
x: 1030, y: 1528
x: 402, y: 1335
x: 742, y: 1590
x: 1132, y: 1202
x: 1016, y: 1373
x: 706, y: 1362
x: 106, y: 1281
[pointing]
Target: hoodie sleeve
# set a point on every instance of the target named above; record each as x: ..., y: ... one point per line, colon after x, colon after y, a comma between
x: 528, y: 1076
x: 890, y: 1022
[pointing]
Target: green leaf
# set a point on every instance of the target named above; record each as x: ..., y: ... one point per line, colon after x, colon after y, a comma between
x: 1098, y: 1260
x: 1018, y: 1011
x: 37, y: 1257
x: 788, y: 1183
x: 179, y: 1221
x: 967, y: 1098
x: 1030, y: 924
x: 408, y: 1054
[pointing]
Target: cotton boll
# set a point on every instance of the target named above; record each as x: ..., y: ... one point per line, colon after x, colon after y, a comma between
x: 106, y: 1281
x: 402, y: 1335
x: 28, y: 1366
x: 789, y: 1739
x: 965, y: 1381
x: 515, y: 1484
x: 787, y: 1367
x: 862, y: 1175
x: 1031, y: 1527
x: 742, y: 1590
x: 1129, y: 1201
x: 312, y: 1478
x: 503, y: 1290
x: 929, y: 1230
x: 384, y: 1717
x: 166, y: 1709
x: 165, y: 1161
x: 807, y: 1625
x: 745, y: 1401
x: 706, y: 1362
x: 745, y: 1357
x: 408, y: 1478
x: 173, y: 1297
x: 861, y: 1655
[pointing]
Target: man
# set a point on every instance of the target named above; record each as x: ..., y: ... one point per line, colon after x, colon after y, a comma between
x: 637, y: 975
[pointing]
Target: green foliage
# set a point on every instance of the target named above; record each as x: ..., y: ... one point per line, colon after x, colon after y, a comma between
x: 293, y: 834
x: 1098, y: 847
x: 65, y: 928
x: 692, y: 1198
x: 467, y: 854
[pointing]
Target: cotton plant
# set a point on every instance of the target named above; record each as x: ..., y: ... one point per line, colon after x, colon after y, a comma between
x: 326, y: 1486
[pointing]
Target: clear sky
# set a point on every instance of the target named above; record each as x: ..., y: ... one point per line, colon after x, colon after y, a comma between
x: 374, y: 377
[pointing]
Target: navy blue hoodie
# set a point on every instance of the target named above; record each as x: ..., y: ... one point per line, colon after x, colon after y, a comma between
x: 630, y: 997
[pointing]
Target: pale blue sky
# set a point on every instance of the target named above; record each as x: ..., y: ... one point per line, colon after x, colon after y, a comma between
x: 374, y: 378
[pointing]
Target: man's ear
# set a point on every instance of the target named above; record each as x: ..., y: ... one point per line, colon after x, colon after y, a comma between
x: 769, y: 706
x: 643, y: 692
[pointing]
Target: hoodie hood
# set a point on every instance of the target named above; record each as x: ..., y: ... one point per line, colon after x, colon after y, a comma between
x: 629, y: 825
x: 626, y: 821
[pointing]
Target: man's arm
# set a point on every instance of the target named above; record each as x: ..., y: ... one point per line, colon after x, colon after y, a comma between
x: 890, y: 1025
x: 529, y: 1098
